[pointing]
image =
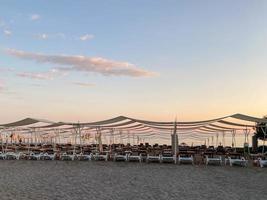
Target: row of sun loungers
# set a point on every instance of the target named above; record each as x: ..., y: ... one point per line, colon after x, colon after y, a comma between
x: 129, y: 156
x: 31, y: 156
x: 136, y: 153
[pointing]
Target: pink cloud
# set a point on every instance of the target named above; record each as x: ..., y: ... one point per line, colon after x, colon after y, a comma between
x: 85, y: 64
x: 50, y: 75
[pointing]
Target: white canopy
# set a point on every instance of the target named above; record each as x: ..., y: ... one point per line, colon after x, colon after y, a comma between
x: 187, y: 129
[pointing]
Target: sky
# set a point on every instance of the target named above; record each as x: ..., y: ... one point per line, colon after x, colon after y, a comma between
x: 154, y: 59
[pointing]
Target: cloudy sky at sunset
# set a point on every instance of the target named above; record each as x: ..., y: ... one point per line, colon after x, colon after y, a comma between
x: 153, y: 59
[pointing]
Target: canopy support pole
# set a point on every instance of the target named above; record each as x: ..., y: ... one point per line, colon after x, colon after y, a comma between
x: 2, y: 143
x: 175, y: 140
x: 99, y: 140
x: 217, y: 139
x: 223, y: 134
x: 75, y: 138
x: 264, y: 130
x: 120, y: 132
x: 246, y: 143
x: 233, y: 139
x: 128, y: 137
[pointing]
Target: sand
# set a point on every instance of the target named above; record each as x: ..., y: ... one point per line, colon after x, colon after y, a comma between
x: 108, y: 180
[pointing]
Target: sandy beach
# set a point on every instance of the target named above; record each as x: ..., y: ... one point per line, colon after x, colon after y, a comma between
x: 109, y: 180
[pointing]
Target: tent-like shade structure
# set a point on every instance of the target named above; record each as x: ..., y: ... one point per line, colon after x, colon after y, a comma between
x: 123, y: 126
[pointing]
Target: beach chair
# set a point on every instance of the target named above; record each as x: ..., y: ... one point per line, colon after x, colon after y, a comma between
x: 21, y: 155
x: 12, y: 156
x: 212, y: 159
x: 143, y: 155
x: 168, y: 157
x: 97, y: 156
x: 66, y: 156
x: 185, y: 158
x: 35, y: 156
x: 153, y: 154
x: 47, y: 156
x: 2, y: 156
x: 236, y: 159
x: 120, y: 156
x: 134, y: 156
x: 83, y: 156
x: 153, y: 158
x: 262, y: 162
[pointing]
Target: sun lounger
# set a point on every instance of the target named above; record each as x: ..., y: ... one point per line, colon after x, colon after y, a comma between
x: 2, y: 156
x: 143, y: 155
x: 153, y: 158
x: 65, y: 156
x: 134, y: 156
x: 12, y: 155
x: 99, y: 156
x: 120, y: 157
x: 35, y: 156
x: 236, y: 161
x: 262, y: 163
x: 168, y: 157
x: 213, y: 160
x: 185, y: 158
x: 21, y: 155
x: 47, y: 156
x: 83, y: 156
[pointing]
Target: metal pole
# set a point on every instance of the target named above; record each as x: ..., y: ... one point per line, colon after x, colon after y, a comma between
x: 175, y: 140
x: 100, y: 146
x: 246, y: 143
x: 75, y: 135
x: 2, y: 142
x: 264, y: 137
x: 223, y: 134
x: 79, y: 131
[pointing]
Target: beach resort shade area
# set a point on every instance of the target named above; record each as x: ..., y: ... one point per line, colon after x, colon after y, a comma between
x: 232, y: 130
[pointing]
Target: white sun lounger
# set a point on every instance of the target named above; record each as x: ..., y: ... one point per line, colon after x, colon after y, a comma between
x: 12, y: 155
x: 213, y: 160
x: 236, y: 161
x: 47, y: 156
x: 65, y: 156
x: 119, y: 157
x: 185, y: 159
x: 150, y: 158
x: 35, y: 156
x: 134, y: 157
x: 99, y: 157
x: 2, y: 155
x: 21, y: 155
x: 262, y: 163
x: 168, y: 159
x: 83, y: 156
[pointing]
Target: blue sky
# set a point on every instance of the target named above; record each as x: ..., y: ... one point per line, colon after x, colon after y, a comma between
x: 194, y: 59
